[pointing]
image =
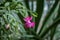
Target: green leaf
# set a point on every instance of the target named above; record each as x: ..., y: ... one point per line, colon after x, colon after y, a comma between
x: 27, y: 3
x: 49, y: 14
x: 39, y: 10
x: 53, y: 30
x: 50, y: 27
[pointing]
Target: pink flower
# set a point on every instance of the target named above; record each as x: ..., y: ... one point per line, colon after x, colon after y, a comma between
x: 28, y: 19
x: 28, y: 23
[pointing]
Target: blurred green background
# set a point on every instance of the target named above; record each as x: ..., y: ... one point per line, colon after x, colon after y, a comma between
x: 45, y: 13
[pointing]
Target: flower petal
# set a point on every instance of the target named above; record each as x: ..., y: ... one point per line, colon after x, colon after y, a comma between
x: 29, y: 25
x: 28, y: 19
